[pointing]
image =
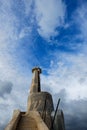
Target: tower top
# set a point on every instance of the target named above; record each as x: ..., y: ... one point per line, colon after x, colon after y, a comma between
x: 35, y: 85
x: 37, y: 68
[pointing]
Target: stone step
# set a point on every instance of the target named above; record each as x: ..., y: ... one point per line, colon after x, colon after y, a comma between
x: 26, y: 123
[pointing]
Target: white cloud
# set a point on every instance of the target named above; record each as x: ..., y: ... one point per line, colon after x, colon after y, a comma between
x: 11, y: 97
x: 68, y: 72
x: 25, y: 32
x: 80, y: 16
x: 50, y: 14
x: 28, y: 4
x: 7, y: 22
x: 9, y: 67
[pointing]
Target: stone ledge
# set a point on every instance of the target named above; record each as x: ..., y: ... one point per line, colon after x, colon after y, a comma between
x: 13, y: 123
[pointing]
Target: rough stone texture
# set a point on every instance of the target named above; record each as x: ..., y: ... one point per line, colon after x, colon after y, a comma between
x: 31, y: 121
x: 39, y: 110
x: 13, y: 123
x: 41, y: 102
x: 37, y: 101
x: 35, y: 86
x: 26, y: 123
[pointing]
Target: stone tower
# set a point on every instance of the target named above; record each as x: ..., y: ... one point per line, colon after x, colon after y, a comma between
x: 40, y: 109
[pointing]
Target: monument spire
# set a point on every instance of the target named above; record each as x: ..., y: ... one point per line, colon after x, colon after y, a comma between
x: 35, y: 85
x: 40, y: 114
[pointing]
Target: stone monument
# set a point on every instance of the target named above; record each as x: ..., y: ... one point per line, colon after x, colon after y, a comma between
x: 40, y: 114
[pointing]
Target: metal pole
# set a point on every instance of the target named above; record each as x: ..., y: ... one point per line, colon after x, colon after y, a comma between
x: 55, y: 113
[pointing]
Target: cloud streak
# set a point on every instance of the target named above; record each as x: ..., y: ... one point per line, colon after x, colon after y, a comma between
x: 64, y: 74
x: 82, y: 20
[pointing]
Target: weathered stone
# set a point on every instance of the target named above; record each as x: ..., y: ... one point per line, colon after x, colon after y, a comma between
x: 14, y: 121
x: 39, y: 109
x: 37, y: 101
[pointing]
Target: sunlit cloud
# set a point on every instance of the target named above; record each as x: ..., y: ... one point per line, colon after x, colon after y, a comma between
x: 70, y: 73
x: 49, y: 15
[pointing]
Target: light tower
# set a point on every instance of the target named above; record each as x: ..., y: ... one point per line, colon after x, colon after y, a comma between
x: 35, y: 86
x: 39, y: 110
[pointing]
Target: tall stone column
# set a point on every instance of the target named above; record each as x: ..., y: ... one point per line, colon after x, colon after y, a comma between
x: 40, y: 109
x: 40, y: 101
x: 35, y: 86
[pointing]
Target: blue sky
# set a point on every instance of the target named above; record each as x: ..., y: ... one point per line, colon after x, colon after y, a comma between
x: 51, y: 34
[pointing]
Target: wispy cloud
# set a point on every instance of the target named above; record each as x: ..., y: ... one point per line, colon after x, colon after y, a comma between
x: 7, y: 22
x: 80, y: 17
x: 49, y: 15
x: 28, y: 6
x: 68, y: 72
x: 12, y: 79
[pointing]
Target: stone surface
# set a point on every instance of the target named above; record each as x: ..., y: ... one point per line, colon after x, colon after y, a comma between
x: 26, y: 123
x: 15, y: 119
x: 39, y: 109
x: 35, y: 86
x: 40, y: 101
x: 31, y: 121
